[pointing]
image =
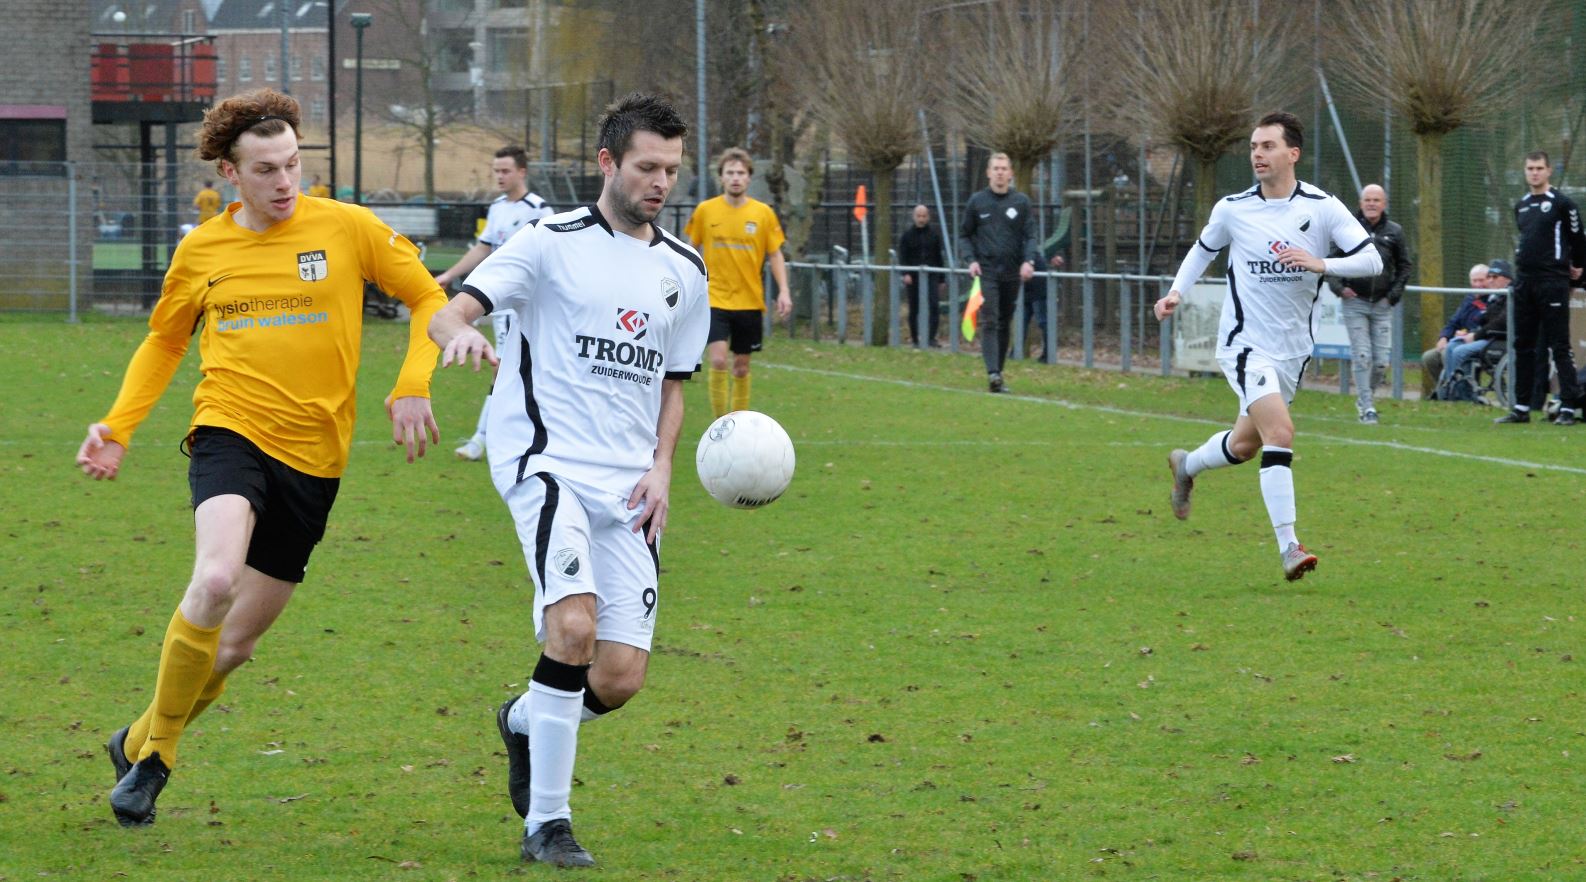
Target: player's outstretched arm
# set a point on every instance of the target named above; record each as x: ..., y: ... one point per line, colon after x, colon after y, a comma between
x: 654, y: 489
x: 99, y: 457
x: 453, y: 331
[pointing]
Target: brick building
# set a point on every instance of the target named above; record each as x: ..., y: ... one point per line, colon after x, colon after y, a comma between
x: 46, y: 120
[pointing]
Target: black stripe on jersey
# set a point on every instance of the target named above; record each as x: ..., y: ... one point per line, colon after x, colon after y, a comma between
x: 480, y: 296
x: 681, y: 375
x: 1356, y: 250
x: 1205, y: 246
x: 1299, y: 381
x: 1239, y: 308
x: 542, y: 530
x: 1239, y: 370
x: 530, y: 407
x: 594, y: 213
x: 684, y: 250
x: 1253, y: 191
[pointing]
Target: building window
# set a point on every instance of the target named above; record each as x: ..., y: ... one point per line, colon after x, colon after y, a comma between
x: 189, y: 21
x: 316, y: 67
x: 244, y: 69
x: 220, y: 68
x: 26, y: 145
x: 269, y: 68
x: 317, y: 109
x: 297, y: 67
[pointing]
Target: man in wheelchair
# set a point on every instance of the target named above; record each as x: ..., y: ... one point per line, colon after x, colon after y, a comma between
x: 1478, y: 344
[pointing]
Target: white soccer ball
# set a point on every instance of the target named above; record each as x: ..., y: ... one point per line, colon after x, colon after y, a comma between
x: 745, y: 459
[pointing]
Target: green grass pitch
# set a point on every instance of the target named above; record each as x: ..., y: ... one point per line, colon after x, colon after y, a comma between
x: 970, y: 643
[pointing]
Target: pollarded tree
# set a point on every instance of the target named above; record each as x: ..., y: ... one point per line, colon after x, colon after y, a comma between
x: 860, y: 67
x: 1015, y: 74
x: 1441, y: 65
x: 1196, y: 74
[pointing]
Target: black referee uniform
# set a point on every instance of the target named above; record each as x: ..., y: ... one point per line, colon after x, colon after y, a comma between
x: 1551, y: 241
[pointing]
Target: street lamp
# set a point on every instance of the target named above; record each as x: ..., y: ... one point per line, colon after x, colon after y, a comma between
x: 476, y: 75
x: 360, y: 22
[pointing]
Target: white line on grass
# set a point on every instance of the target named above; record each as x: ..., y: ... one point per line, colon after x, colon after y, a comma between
x: 1201, y: 421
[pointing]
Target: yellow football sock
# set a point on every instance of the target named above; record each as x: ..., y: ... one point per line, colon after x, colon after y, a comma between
x: 740, y: 392
x: 138, y: 732
x: 186, y: 661
x: 718, y: 391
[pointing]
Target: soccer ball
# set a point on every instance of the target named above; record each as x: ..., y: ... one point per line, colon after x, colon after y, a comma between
x: 745, y: 459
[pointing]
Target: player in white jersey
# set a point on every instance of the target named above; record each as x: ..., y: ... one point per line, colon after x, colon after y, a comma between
x: 1273, y: 233
x: 612, y: 314
x: 515, y: 209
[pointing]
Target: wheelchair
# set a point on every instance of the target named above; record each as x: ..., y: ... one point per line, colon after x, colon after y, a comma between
x: 1482, y: 380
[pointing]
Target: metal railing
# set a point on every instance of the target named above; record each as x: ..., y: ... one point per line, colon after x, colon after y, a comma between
x: 836, y: 299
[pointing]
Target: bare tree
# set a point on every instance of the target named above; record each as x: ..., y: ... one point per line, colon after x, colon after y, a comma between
x: 1196, y: 74
x: 1015, y: 76
x: 1442, y: 65
x: 859, y: 64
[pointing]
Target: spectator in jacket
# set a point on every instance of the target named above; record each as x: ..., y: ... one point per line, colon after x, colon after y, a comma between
x: 1467, y: 316
x: 921, y: 245
x: 1368, y: 302
x: 1469, y: 342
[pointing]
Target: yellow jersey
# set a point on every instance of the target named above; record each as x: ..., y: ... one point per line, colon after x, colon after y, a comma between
x: 208, y: 204
x: 280, y: 322
x: 735, y: 243
x: 320, y: 190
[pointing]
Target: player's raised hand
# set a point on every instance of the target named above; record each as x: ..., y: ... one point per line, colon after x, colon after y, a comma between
x: 99, y: 457
x: 652, y: 492
x: 1166, y: 305
x: 412, y: 424
x: 469, y: 345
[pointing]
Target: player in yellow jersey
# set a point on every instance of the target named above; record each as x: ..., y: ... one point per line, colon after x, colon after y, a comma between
x: 735, y: 234
x: 319, y: 188
x: 207, y: 202
x: 275, y: 288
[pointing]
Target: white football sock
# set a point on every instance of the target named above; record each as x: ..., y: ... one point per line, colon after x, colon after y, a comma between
x: 479, y: 430
x: 518, y: 715
x: 553, y: 733
x: 1277, y: 489
x: 1214, y: 454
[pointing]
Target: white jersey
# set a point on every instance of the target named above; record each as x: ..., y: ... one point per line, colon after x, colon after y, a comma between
x: 601, y: 319
x: 507, y: 216
x: 1269, y: 308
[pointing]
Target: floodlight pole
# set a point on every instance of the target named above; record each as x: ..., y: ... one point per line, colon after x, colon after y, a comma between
x: 360, y: 22
x: 702, y: 161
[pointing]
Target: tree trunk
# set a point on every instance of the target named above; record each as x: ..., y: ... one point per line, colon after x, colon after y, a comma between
x: 1205, y: 190
x: 1024, y: 173
x: 1429, y: 260
x: 882, y: 241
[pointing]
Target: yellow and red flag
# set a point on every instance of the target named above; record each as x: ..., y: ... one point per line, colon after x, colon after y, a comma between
x: 972, y: 310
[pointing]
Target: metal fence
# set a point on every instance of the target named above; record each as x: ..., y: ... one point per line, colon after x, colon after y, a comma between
x: 1060, y: 318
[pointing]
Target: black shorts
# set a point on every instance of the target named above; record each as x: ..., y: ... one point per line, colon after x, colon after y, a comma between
x: 743, y: 329
x: 291, y: 507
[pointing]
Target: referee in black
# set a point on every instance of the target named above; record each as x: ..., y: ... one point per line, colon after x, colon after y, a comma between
x: 1550, y: 255
x: 997, y: 237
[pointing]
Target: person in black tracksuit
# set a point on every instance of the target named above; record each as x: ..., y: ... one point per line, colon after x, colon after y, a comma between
x: 920, y: 245
x: 997, y: 237
x: 1550, y: 254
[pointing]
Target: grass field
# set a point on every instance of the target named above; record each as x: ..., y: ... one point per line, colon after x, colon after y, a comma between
x: 971, y: 643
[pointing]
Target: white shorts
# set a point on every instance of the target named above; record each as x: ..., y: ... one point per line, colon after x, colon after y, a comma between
x: 1254, y: 376
x: 578, y: 539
